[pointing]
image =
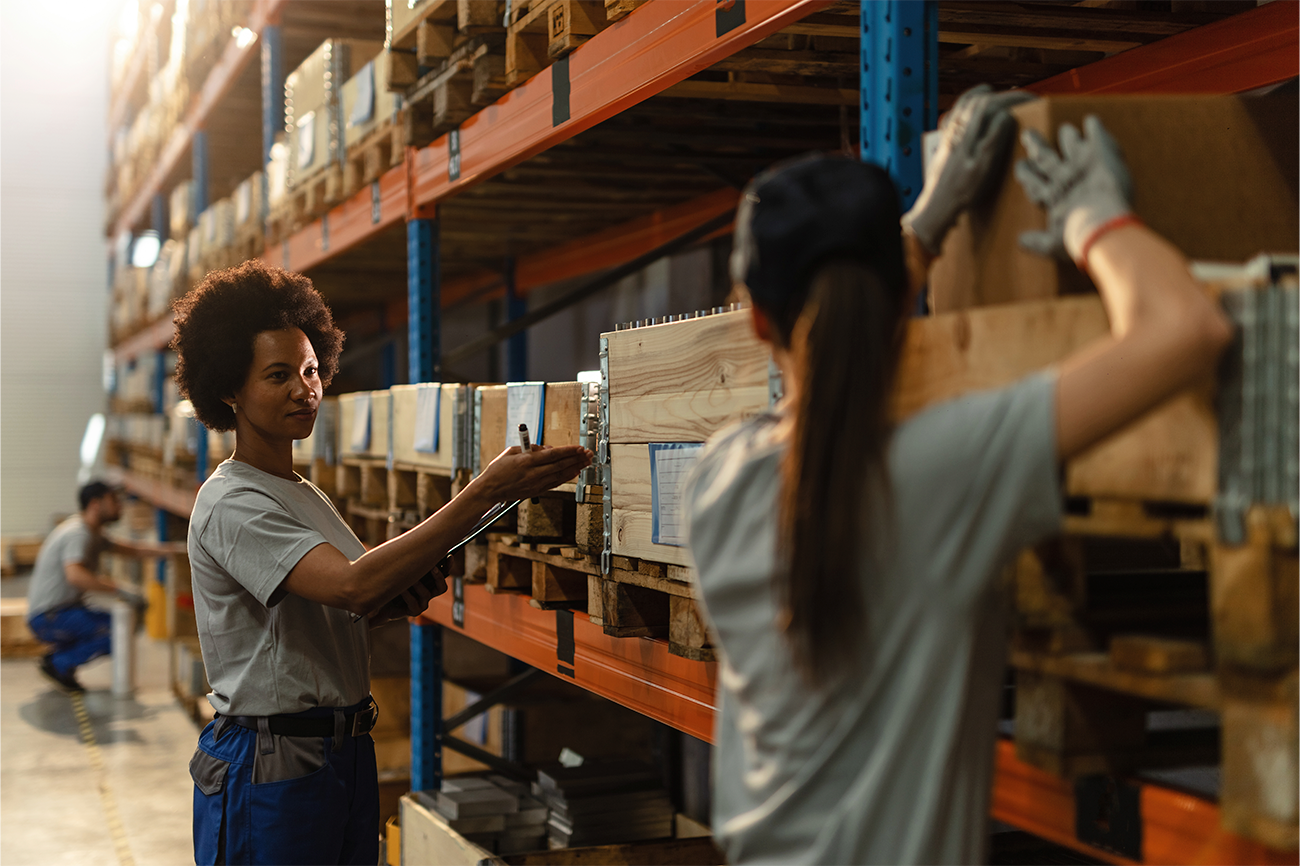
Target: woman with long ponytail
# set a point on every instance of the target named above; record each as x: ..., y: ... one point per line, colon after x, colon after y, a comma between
x: 847, y: 563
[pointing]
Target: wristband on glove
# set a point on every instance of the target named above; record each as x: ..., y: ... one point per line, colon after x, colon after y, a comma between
x: 1125, y: 219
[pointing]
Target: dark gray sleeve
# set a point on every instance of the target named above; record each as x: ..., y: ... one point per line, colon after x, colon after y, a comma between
x: 256, y: 541
x: 977, y: 480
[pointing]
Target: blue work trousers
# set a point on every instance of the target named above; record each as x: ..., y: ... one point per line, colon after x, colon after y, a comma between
x: 78, y: 634
x: 273, y: 799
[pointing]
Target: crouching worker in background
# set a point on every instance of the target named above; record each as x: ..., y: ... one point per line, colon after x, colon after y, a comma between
x: 284, y: 592
x: 67, y: 568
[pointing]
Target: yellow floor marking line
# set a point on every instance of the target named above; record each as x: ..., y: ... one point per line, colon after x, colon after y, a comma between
x: 97, y: 763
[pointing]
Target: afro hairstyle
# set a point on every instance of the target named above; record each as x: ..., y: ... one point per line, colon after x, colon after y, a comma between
x: 218, y: 320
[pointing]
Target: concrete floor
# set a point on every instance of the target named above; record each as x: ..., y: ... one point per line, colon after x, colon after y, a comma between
x: 59, y: 804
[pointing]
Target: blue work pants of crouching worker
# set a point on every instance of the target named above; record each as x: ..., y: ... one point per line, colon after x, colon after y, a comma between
x: 264, y: 798
x: 78, y: 634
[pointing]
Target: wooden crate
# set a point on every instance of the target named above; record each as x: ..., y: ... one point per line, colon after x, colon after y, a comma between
x: 16, y: 638
x: 349, y: 406
x: 405, y: 399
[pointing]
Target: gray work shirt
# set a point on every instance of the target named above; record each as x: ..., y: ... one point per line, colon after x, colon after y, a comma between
x: 71, y: 541
x: 248, y: 530
x: 893, y: 765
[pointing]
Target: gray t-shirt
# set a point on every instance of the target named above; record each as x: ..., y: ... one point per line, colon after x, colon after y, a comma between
x: 265, y: 652
x: 71, y: 541
x: 894, y: 765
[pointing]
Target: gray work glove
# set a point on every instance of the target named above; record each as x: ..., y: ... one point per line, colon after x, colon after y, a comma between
x: 1082, y: 189
x: 970, y: 159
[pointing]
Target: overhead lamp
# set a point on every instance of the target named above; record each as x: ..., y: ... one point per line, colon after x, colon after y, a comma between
x: 243, y: 36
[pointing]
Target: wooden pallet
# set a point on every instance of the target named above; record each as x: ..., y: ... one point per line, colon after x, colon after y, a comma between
x: 369, y: 158
x: 420, y: 490
x: 16, y: 638
x: 616, y: 10
x: 638, y: 599
x: 543, y: 31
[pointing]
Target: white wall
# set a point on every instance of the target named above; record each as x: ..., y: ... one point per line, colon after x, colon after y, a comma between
x: 53, y: 271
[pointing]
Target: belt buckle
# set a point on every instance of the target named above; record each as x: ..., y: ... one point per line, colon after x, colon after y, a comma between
x: 364, y: 720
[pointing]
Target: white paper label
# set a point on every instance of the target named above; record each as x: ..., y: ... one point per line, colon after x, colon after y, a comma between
x: 525, y: 402
x: 670, y: 464
x: 359, y: 435
x: 428, y: 411
x: 306, y: 140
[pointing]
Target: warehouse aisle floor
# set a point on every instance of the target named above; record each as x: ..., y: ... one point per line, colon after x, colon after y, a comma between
x: 60, y: 803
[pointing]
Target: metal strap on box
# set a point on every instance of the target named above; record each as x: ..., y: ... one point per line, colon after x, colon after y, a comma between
x: 476, y: 435
x: 1259, y: 398
x: 602, y: 463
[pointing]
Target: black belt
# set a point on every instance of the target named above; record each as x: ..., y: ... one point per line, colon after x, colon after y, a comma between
x: 354, y: 724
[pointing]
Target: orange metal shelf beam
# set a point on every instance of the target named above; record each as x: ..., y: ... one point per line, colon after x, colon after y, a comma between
x: 219, y: 81
x: 151, y: 339
x: 177, y: 500
x: 1177, y: 828
x: 638, y: 673
x: 349, y: 224
x: 654, y: 48
x: 1249, y: 50
x: 605, y: 249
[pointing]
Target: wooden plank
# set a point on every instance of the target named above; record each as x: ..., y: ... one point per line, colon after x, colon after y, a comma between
x: 691, y: 416
x: 492, y: 423
x: 563, y: 404
x: 1156, y: 655
x: 698, y: 851
x: 1097, y: 669
x: 632, y: 534
x: 1258, y: 793
x: 703, y: 354
x: 552, y: 584
x: 633, y: 611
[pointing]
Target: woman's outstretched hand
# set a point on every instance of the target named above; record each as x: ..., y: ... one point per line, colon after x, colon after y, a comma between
x: 515, y: 474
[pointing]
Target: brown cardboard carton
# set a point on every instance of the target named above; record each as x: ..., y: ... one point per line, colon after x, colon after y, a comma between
x: 1216, y: 175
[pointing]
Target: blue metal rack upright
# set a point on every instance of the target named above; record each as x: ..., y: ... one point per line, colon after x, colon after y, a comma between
x: 424, y: 333
x: 900, y: 87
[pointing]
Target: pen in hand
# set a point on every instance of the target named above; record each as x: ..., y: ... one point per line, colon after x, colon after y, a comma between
x: 525, y: 446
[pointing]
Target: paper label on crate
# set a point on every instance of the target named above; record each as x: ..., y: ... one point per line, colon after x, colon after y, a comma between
x: 359, y: 435
x: 428, y: 414
x: 364, y: 108
x: 670, y: 464
x: 525, y: 403
x: 306, y: 139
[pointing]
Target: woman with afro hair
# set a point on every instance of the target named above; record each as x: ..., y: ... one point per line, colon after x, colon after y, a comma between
x: 284, y: 592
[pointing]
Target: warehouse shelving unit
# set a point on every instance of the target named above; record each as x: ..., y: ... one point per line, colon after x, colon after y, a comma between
x: 625, y: 78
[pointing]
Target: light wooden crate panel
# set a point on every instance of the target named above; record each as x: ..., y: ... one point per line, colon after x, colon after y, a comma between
x: 405, y: 399
x: 692, y: 416
x: 560, y: 422
x: 1170, y: 455
x: 326, y: 427
x: 697, y: 355
x: 378, y: 446
x: 633, y: 515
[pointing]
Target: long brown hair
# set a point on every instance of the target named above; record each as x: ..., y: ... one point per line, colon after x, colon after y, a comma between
x: 835, y: 482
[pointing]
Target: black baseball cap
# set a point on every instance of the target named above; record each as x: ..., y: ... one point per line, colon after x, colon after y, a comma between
x: 803, y: 212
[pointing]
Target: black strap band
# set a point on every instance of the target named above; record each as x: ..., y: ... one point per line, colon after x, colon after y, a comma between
x: 355, y: 724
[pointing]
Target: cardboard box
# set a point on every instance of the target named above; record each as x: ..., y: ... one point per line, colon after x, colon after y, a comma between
x: 367, y: 102
x: 313, y: 104
x: 1216, y: 175
x: 405, y: 400
x: 349, y: 427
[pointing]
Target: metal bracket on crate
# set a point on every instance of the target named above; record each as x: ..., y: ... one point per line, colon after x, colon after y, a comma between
x: 588, y: 436
x: 602, y: 461
x: 476, y: 436
x: 775, y: 384
x: 1259, y: 399
x: 460, y: 429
